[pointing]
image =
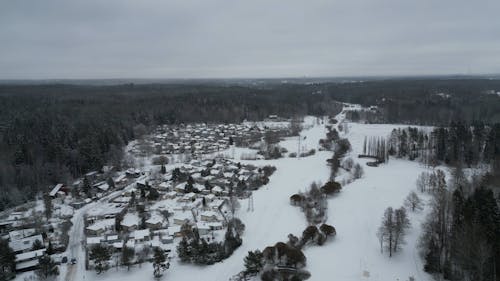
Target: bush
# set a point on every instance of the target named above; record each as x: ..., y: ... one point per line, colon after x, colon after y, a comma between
x: 309, y: 234
x: 268, y: 170
x: 342, y: 147
x: 331, y: 188
x: 296, y: 199
x: 160, y: 160
x: 328, y: 230
x: 357, y: 171
x: 348, y: 164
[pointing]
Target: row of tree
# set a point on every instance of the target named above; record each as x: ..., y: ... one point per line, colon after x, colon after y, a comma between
x: 460, y: 142
x: 376, y: 148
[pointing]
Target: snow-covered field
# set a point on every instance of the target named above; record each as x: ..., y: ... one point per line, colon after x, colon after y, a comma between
x: 354, y: 254
x: 356, y: 213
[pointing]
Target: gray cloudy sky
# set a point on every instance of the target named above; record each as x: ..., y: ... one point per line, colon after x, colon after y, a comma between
x: 252, y: 38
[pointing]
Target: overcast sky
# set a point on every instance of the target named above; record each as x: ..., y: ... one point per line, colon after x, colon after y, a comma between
x: 247, y: 38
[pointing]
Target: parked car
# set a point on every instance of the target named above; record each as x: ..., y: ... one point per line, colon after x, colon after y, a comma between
x: 64, y: 260
x: 73, y: 260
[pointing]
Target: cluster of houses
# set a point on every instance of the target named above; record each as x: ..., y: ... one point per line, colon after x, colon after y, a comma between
x: 153, y: 211
x: 144, y: 209
x: 30, y: 236
x: 200, y: 138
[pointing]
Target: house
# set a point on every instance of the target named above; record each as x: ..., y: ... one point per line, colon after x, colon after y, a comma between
x: 117, y: 245
x: 130, y: 222
x: 112, y: 239
x: 101, y: 226
x: 210, y: 197
x: 165, y: 186
x: 217, y: 204
x: 181, y: 218
x: 24, y: 244
x: 120, y: 179
x: 209, y: 216
x: 91, y: 241
x: 175, y: 230
x: 203, y: 228
x: 155, y: 222
x: 217, y: 190
x: 133, y: 173
x: 141, y: 235
x: 170, y: 195
x: 181, y: 187
x: 29, y: 260
x: 188, y: 197
x: 102, y: 186
x: 56, y: 189
x: 142, y: 183
x: 167, y: 239
x: 106, y: 211
x: 21, y: 233
x: 215, y: 225
x: 92, y: 176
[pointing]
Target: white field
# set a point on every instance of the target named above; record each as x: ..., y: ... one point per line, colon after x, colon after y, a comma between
x: 354, y: 254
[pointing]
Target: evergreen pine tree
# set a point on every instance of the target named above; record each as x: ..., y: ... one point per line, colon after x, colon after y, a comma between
x: 100, y: 255
x: 254, y: 262
x: 46, y: 268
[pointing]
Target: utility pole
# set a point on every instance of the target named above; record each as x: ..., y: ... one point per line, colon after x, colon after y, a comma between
x: 250, y: 203
x: 298, y: 150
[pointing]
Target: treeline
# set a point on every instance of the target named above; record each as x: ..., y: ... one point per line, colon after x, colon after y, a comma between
x: 460, y: 142
x: 429, y: 101
x: 53, y: 133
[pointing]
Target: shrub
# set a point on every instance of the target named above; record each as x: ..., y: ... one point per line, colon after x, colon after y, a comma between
x: 357, y: 171
x: 296, y: 199
x: 331, y: 188
x: 328, y: 230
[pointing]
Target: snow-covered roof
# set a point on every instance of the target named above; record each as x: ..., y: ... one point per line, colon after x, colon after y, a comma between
x: 21, y: 233
x: 106, y: 209
x: 112, y: 237
x: 94, y: 240
x: 140, y: 234
x: 174, y: 229
x: 25, y: 243
x: 101, y: 224
x: 56, y: 189
x: 130, y: 220
x: 202, y: 226
x: 217, y: 189
x: 120, y: 178
x: 30, y: 255
x: 155, y: 219
x: 209, y: 214
x: 103, y: 186
x: 26, y: 264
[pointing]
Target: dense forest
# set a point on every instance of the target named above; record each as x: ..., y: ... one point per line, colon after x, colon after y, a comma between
x: 53, y: 133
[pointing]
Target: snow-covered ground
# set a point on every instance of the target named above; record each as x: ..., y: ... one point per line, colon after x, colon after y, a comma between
x: 356, y: 213
x: 353, y: 255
